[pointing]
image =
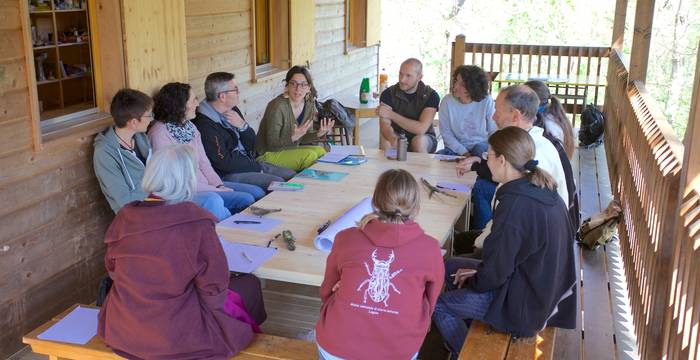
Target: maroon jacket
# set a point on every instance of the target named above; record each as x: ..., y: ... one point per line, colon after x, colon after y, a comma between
x: 390, y: 278
x: 170, y: 280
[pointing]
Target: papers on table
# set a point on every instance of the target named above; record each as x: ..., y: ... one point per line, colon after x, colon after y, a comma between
x: 285, y: 186
x: 78, y: 327
x: 324, y: 241
x: 332, y: 157
x: 447, y: 157
x: 245, y: 258
x: 347, y: 149
x: 340, y: 152
x: 454, y: 186
x: 322, y: 175
x: 250, y: 222
x: 390, y: 153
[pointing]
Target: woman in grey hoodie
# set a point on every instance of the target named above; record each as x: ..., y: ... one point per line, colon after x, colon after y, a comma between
x: 122, y: 150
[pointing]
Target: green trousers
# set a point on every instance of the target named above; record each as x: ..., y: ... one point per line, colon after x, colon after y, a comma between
x: 296, y: 159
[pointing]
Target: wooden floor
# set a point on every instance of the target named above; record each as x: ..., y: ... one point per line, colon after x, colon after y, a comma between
x: 605, y: 329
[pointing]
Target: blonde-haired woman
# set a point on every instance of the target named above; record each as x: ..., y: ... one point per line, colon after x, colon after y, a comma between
x: 170, y: 296
x: 527, y: 275
x: 382, y: 279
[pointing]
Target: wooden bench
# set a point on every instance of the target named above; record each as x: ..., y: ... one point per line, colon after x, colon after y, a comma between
x: 482, y: 343
x: 263, y: 347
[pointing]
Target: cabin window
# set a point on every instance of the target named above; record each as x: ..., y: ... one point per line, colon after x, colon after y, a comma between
x: 270, y: 35
x: 62, y: 55
x: 362, y: 23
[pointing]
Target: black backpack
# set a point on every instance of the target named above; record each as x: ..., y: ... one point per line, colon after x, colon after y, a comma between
x: 333, y: 109
x: 592, y: 125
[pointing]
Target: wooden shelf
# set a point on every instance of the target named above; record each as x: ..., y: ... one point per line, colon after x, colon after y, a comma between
x: 77, y: 76
x: 47, y: 81
x: 44, y: 47
x: 73, y: 44
x: 68, y: 10
x: 41, y: 12
x: 68, y: 109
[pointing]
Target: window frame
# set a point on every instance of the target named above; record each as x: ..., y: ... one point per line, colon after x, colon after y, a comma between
x: 279, y: 40
x: 106, y: 52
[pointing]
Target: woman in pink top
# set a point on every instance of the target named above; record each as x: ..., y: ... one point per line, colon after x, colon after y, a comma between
x: 382, y: 279
x: 175, y: 105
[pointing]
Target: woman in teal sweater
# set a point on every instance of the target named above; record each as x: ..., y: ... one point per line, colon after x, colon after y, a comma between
x: 286, y: 135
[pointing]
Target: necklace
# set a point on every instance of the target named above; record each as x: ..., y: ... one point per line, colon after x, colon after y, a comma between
x: 129, y: 145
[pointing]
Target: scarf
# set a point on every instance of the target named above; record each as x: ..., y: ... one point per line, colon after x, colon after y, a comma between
x: 182, y: 134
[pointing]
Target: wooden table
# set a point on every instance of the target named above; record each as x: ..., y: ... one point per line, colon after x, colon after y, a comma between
x: 303, y: 212
x: 579, y: 83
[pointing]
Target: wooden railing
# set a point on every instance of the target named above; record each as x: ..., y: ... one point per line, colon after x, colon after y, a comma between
x: 683, y: 313
x: 645, y: 158
x: 578, y: 63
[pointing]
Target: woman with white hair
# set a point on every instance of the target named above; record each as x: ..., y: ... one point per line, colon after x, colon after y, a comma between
x: 170, y: 297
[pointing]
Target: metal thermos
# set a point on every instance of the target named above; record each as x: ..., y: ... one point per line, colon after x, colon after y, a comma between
x: 401, y: 147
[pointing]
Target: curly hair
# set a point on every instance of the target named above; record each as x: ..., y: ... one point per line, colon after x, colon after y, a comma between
x: 170, y: 104
x: 475, y: 81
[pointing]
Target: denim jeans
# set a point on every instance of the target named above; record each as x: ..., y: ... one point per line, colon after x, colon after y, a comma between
x: 457, y: 305
x: 482, y: 196
x: 475, y: 150
x: 209, y: 200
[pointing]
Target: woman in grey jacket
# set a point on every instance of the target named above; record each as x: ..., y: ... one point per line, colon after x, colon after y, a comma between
x: 122, y: 150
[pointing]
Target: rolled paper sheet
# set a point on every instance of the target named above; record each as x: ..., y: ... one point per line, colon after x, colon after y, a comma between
x: 324, y: 241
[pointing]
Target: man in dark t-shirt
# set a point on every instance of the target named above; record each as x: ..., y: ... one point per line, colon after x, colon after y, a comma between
x: 409, y: 106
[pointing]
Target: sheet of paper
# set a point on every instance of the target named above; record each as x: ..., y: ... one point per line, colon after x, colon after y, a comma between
x: 447, y: 157
x: 245, y: 258
x: 454, y: 186
x: 259, y: 224
x: 332, y: 157
x: 78, y: 327
x: 325, y: 240
x: 322, y: 175
x: 390, y: 153
x: 348, y: 149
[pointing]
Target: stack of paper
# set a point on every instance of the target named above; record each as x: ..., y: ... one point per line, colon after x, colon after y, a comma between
x: 285, y: 186
x: 340, y: 152
x: 78, y: 327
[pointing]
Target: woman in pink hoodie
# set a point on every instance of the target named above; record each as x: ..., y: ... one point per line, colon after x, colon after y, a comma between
x: 382, y: 279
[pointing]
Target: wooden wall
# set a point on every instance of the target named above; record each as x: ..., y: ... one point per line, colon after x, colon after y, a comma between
x: 154, y: 34
x: 219, y: 39
x: 52, y: 214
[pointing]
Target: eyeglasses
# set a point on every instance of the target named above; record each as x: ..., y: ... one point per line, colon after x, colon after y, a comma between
x: 149, y: 115
x: 295, y: 84
x: 234, y: 90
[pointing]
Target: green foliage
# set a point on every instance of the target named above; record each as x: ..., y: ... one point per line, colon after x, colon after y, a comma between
x: 426, y: 28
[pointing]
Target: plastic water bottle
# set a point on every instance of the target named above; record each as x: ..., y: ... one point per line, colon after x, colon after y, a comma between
x: 364, y: 91
x: 401, y: 147
x: 383, y: 80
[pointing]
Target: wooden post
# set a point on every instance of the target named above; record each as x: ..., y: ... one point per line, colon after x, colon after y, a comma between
x: 457, y: 54
x: 639, y: 58
x: 692, y: 132
x: 618, y: 34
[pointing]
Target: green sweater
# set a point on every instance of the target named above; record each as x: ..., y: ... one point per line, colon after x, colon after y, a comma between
x: 277, y: 126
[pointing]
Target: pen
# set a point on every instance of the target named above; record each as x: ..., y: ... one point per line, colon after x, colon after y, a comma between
x: 270, y: 242
x: 246, y: 256
x: 444, y: 187
x: 245, y: 222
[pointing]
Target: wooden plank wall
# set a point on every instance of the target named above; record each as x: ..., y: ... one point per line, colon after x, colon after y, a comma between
x: 52, y: 214
x: 218, y: 39
x: 154, y: 33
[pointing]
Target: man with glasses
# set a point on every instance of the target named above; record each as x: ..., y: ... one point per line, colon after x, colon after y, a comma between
x: 228, y: 139
x: 409, y: 107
